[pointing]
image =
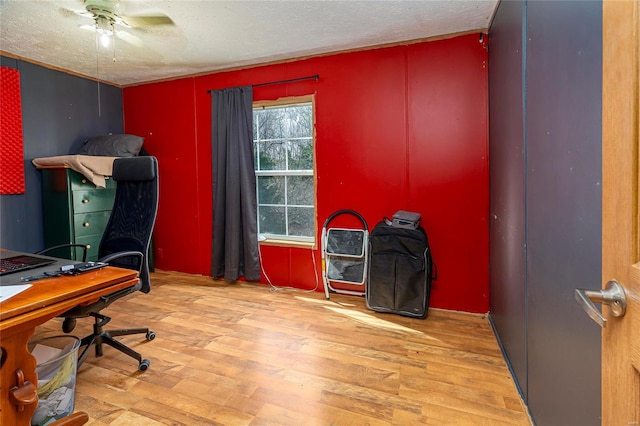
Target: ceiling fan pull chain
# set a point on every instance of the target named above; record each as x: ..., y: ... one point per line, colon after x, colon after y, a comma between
x: 98, y: 72
x: 113, y: 40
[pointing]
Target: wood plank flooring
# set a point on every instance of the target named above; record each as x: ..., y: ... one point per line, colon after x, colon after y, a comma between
x: 241, y: 354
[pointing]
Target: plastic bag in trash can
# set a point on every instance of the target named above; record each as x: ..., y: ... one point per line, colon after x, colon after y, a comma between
x: 56, y: 359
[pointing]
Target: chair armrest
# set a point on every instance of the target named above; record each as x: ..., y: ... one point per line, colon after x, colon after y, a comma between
x: 119, y: 293
x: 82, y: 246
x: 108, y: 258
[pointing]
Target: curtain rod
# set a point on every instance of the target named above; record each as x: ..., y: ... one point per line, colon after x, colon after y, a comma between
x: 293, y: 80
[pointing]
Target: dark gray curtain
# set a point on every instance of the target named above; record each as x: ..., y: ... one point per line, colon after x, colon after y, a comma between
x: 235, y: 230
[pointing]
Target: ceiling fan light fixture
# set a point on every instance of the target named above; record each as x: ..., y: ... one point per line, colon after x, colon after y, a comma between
x: 105, y: 28
x: 105, y: 40
x: 104, y: 25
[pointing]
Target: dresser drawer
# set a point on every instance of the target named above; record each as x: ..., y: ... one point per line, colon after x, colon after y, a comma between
x: 92, y: 242
x: 93, y: 223
x: 92, y: 200
x: 78, y: 182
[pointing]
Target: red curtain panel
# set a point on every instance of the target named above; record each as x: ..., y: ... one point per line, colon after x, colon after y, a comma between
x: 11, y: 150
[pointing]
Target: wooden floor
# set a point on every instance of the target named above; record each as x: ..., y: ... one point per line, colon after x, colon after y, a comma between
x: 240, y: 354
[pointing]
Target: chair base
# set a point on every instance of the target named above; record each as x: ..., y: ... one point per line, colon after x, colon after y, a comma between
x: 100, y: 337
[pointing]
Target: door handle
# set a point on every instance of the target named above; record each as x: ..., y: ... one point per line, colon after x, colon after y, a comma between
x: 613, y: 296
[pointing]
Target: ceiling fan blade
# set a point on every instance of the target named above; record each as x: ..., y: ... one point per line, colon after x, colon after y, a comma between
x: 71, y: 13
x: 145, y: 21
x: 122, y: 35
x: 129, y: 38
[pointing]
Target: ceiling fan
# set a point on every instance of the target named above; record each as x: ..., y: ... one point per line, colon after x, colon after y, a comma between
x: 110, y: 19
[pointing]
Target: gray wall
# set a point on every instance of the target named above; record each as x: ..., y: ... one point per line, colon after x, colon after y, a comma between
x: 59, y: 111
x: 545, y: 158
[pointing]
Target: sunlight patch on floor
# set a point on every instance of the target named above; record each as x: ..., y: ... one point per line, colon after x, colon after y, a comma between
x: 371, y: 320
x: 322, y: 301
x: 362, y: 317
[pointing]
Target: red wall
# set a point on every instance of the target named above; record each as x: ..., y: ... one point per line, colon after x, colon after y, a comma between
x: 399, y: 128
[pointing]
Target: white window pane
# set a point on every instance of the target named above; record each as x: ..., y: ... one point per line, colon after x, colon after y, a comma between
x: 271, y: 190
x: 272, y: 220
x: 300, y: 190
x: 271, y: 126
x: 297, y: 122
x: 256, y: 120
x: 300, y: 154
x: 301, y: 221
x: 273, y: 155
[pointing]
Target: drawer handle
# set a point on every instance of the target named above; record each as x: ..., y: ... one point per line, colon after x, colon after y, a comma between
x: 88, y: 246
x: 84, y: 181
x: 85, y: 201
x: 86, y: 224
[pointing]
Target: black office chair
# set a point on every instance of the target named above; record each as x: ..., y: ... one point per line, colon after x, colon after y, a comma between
x: 124, y: 243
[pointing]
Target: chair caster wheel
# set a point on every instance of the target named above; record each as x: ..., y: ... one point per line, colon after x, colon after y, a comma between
x: 150, y: 335
x: 144, y: 364
x: 68, y: 325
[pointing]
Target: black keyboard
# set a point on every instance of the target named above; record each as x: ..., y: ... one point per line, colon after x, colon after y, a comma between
x: 8, y: 266
x: 13, y: 264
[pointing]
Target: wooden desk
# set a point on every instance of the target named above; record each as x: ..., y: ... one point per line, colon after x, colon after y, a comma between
x: 19, y: 317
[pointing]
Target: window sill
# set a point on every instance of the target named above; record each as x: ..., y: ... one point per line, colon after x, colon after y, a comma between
x: 287, y: 243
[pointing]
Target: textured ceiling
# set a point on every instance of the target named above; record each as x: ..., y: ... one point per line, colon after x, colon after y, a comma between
x: 214, y: 35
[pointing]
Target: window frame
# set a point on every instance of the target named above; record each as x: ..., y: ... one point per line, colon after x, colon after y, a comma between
x: 289, y: 240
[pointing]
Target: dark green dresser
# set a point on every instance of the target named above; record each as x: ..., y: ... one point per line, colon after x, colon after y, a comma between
x: 75, y: 211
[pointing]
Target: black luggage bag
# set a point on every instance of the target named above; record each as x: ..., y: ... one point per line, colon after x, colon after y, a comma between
x: 400, y: 271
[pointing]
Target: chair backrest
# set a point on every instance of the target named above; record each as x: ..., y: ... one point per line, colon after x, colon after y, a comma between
x: 133, y: 215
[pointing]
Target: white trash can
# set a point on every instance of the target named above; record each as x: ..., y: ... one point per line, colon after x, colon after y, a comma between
x: 57, y: 360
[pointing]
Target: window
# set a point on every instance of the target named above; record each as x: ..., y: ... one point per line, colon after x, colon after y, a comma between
x: 283, y: 146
